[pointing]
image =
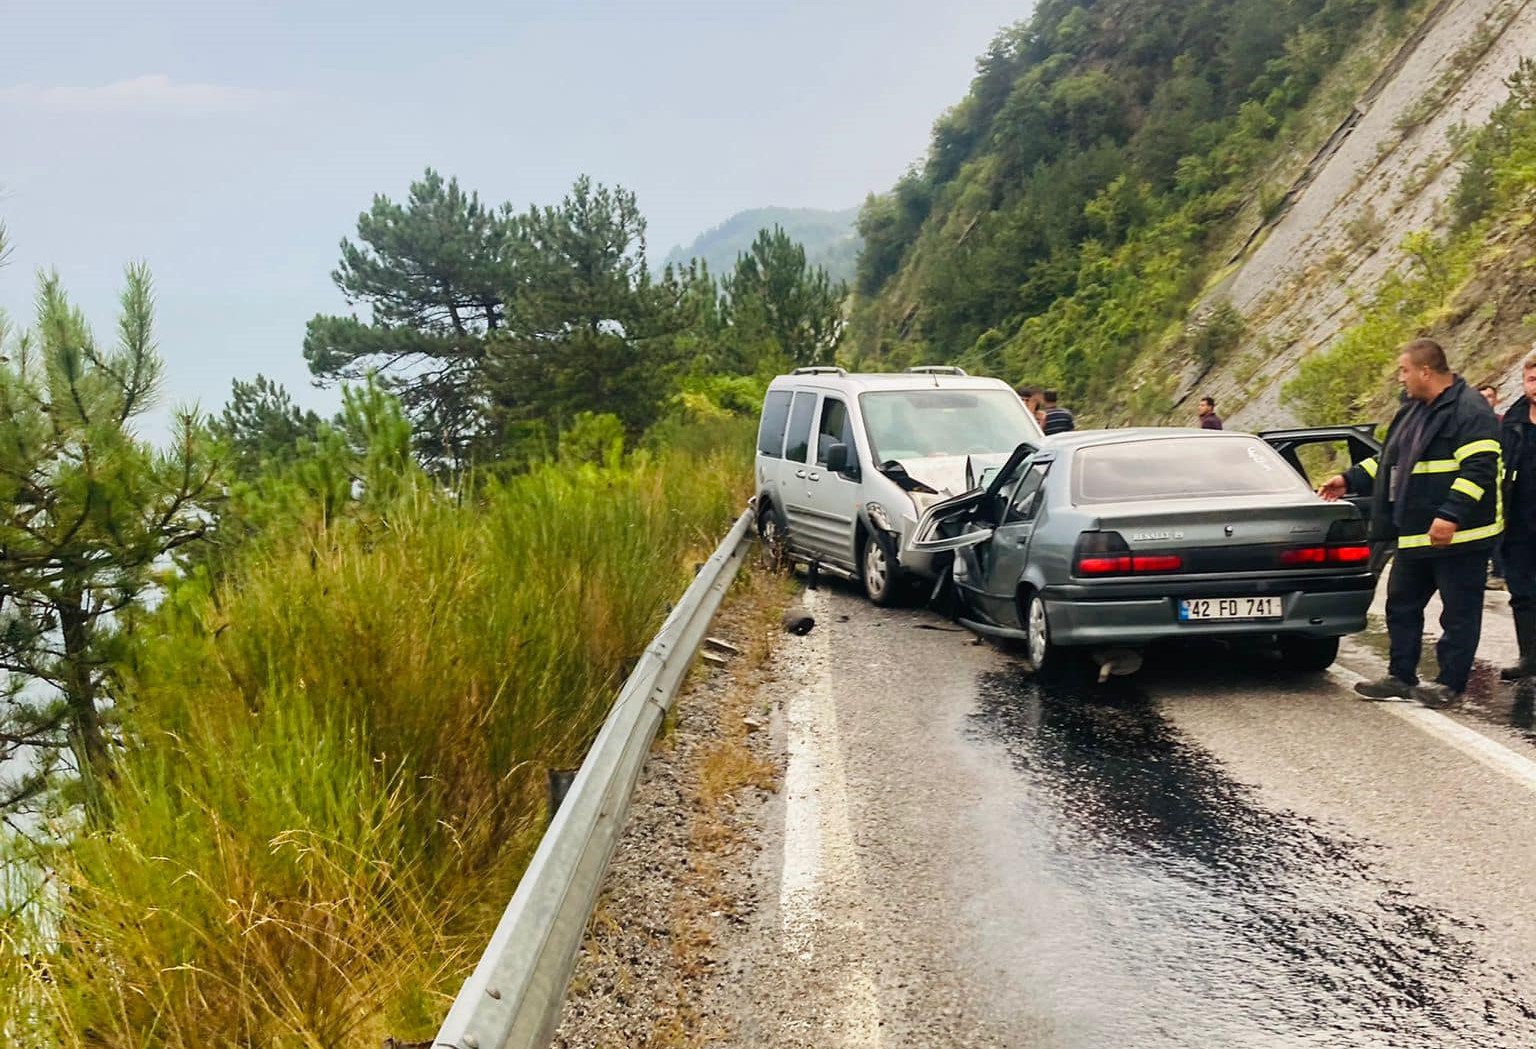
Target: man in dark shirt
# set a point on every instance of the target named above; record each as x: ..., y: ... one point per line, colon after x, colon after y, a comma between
x: 1057, y: 418
x: 1517, y: 434
x: 1209, y: 420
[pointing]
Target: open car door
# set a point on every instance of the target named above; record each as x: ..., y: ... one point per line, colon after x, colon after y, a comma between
x: 970, y: 518
x: 1319, y: 452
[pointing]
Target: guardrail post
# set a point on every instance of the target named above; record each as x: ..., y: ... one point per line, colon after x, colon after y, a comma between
x: 560, y: 781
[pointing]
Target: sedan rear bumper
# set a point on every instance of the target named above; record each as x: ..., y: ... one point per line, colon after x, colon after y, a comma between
x: 1079, y: 616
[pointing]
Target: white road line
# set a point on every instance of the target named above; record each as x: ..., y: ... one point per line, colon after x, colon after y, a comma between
x: 819, y: 856
x: 1470, y: 742
x: 802, y: 803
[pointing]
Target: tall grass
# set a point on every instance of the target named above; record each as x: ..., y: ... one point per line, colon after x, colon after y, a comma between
x: 336, y: 758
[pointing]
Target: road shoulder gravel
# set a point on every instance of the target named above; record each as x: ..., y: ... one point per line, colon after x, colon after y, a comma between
x: 649, y: 973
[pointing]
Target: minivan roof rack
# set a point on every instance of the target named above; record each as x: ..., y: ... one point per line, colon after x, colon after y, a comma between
x: 820, y: 369
x: 936, y: 369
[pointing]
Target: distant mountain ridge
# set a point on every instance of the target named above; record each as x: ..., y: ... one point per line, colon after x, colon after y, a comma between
x: 830, y: 238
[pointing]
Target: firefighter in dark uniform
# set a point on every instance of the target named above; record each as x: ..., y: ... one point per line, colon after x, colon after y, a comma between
x: 1436, y: 491
x: 1518, y: 435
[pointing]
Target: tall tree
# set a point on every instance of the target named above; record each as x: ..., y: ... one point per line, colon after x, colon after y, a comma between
x: 262, y: 427
x: 433, y: 273
x: 486, y: 322
x: 588, y: 329
x: 774, y: 294
x: 88, y: 512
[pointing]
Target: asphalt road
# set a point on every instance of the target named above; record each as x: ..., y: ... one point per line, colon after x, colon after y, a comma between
x: 1216, y: 852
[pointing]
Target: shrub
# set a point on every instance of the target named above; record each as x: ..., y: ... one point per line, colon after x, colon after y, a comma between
x: 333, y: 773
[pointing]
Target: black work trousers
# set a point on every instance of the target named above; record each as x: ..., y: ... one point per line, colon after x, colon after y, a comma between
x: 1520, y: 572
x: 1459, y: 579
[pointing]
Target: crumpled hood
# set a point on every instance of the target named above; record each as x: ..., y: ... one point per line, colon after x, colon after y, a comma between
x: 945, y: 474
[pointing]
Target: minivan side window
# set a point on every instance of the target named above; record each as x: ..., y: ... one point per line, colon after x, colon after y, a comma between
x: 836, y: 428
x: 799, y: 442
x: 770, y: 433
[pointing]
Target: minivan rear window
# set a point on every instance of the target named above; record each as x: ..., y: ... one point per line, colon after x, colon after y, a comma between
x: 800, y: 426
x: 770, y: 432
x: 1181, y: 468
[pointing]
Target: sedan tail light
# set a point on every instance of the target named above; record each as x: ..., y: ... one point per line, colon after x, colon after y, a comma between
x: 1157, y: 563
x: 1107, y: 553
x: 1342, y: 554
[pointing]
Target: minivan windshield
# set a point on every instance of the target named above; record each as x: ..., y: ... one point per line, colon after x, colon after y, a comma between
x: 1168, y: 468
x: 912, y: 424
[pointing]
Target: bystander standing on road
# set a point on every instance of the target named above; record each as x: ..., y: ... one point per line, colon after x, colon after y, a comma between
x: 1057, y: 418
x: 1032, y: 398
x: 1496, y: 571
x: 1518, y: 436
x: 1435, y: 490
x: 1209, y: 420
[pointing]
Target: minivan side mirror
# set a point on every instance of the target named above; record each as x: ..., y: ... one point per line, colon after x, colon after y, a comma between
x: 837, y: 458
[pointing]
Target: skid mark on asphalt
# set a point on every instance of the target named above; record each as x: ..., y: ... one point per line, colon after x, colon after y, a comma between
x: 1218, y: 921
x: 821, y: 886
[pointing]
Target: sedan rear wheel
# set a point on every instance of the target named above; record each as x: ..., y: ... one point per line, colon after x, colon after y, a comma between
x: 1309, y: 653
x: 1037, y: 631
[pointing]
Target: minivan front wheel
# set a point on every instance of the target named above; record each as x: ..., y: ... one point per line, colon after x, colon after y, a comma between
x: 881, y: 577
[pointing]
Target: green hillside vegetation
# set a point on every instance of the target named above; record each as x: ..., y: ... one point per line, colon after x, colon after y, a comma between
x: 1063, y: 220
x: 830, y: 238
x: 296, y: 682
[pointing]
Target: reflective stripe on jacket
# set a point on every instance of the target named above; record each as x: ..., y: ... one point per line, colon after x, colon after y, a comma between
x: 1456, y: 477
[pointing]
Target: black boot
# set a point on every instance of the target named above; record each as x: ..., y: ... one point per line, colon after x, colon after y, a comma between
x: 1525, y: 637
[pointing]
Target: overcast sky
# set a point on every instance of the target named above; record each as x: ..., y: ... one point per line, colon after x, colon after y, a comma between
x: 231, y: 145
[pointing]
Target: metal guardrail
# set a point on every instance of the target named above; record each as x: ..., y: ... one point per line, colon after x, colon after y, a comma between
x: 513, y: 998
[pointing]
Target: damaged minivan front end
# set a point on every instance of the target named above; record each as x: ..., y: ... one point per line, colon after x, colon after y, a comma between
x: 847, y: 464
x: 922, y: 485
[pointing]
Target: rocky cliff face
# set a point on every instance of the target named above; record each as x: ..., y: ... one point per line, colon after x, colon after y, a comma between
x: 1387, y: 171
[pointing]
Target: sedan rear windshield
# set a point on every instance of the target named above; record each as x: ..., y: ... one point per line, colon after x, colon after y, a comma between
x: 911, y: 424
x: 1181, y: 468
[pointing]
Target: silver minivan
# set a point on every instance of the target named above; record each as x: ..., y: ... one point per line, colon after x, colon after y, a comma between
x: 847, y: 463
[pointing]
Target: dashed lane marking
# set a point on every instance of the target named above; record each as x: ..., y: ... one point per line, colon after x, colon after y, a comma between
x: 1473, y: 744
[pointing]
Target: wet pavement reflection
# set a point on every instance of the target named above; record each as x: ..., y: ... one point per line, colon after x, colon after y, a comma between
x: 1215, y: 921
x: 1488, y: 699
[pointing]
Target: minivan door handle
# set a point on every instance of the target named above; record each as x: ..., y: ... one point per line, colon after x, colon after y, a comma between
x: 800, y: 473
x: 815, y: 476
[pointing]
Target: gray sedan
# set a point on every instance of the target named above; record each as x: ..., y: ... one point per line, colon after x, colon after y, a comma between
x: 1114, y: 539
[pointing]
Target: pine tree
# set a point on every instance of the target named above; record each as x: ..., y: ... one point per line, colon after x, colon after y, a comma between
x: 88, y: 513
x: 774, y: 295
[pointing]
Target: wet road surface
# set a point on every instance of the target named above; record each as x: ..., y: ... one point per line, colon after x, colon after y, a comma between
x: 1216, y: 852
x: 1488, y: 702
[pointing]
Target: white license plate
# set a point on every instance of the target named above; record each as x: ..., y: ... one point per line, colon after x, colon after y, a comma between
x: 1202, y: 608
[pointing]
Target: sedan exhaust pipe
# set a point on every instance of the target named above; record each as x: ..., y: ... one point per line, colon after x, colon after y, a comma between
x: 1116, y: 662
